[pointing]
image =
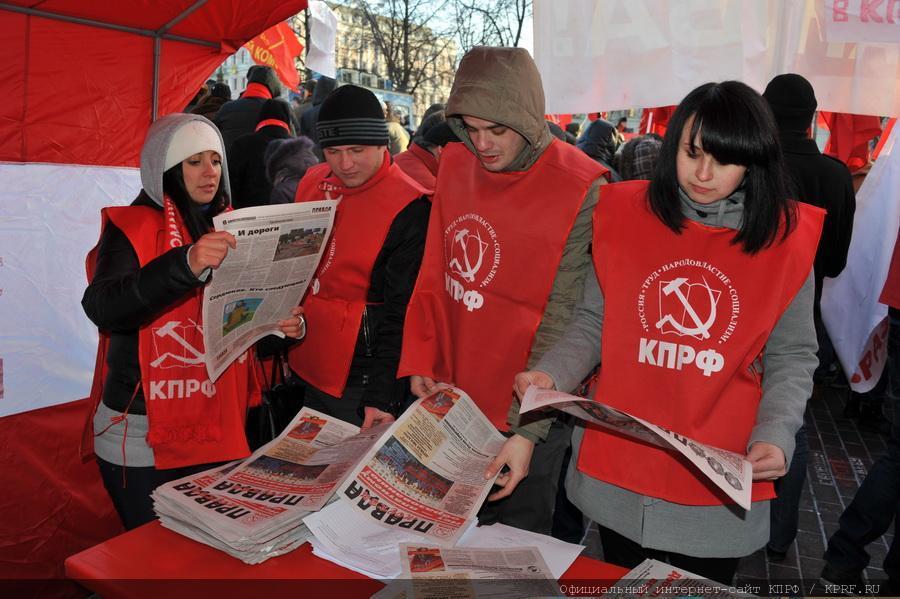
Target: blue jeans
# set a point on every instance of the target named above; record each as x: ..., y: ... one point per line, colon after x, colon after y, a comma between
x: 877, y: 502
x: 784, y: 509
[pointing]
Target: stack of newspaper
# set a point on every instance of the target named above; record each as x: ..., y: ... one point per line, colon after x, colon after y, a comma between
x: 253, y: 509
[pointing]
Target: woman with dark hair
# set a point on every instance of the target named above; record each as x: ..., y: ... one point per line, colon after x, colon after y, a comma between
x: 155, y: 415
x: 703, y: 294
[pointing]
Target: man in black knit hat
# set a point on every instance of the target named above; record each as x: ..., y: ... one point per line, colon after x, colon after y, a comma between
x: 356, y: 304
x: 825, y: 182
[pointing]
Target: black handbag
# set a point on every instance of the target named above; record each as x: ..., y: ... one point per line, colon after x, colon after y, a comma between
x: 282, y: 398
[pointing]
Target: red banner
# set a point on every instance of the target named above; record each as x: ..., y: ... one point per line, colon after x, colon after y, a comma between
x: 276, y: 47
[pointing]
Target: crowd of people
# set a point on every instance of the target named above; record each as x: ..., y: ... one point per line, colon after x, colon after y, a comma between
x: 678, y: 278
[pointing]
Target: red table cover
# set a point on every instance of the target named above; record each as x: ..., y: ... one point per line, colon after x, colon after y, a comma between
x: 152, y: 561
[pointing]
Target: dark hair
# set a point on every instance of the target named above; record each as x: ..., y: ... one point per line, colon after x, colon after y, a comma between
x: 734, y: 124
x: 197, y: 221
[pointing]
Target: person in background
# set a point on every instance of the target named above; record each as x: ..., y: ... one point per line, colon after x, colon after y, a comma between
x: 825, y: 182
x: 600, y: 141
x: 712, y: 260
x: 324, y: 86
x: 287, y: 161
x: 877, y: 501
x: 510, y: 232
x: 303, y: 102
x: 420, y: 160
x: 358, y: 298
x: 399, y: 138
x: 637, y: 159
x: 155, y: 416
x: 246, y: 162
x: 239, y: 117
x: 209, y: 106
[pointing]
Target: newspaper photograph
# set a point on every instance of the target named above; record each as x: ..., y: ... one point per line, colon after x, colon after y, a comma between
x: 652, y: 578
x: 431, y: 571
x: 302, y: 466
x: 727, y: 470
x: 263, y: 278
x: 427, y: 474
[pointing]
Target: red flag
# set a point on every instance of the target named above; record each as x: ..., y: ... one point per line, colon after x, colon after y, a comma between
x: 276, y: 47
x: 655, y: 120
x: 850, y: 136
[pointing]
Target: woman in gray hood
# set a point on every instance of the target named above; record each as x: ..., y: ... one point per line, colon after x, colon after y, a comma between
x: 156, y: 415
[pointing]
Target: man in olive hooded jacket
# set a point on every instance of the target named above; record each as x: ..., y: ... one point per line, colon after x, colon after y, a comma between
x: 506, y: 256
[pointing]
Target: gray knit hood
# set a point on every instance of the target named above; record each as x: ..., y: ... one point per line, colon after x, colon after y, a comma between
x: 153, y: 154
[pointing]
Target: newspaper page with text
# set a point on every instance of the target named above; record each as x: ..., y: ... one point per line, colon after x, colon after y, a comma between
x: 727, y: 470
x: 652, y: 578
x: 263, y: 278
x: 432, y: 571
x: 427, y: 474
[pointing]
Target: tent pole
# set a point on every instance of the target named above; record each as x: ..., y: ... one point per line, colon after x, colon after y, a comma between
x: 183, y: 14
x: 100, y: 24
x: 154, y: 99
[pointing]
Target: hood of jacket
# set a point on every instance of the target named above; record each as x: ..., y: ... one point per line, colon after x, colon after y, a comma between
x: 153, y: 154
x: 501, y: 85
x: 599, y: 141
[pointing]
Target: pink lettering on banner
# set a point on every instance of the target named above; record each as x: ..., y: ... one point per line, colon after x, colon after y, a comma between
x: 892, y: 8
x: 839, y: 11
x: 868, y: 11
x: 873, y: 359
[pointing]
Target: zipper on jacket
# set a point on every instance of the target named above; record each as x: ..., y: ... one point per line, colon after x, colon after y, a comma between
x: 366, y: 333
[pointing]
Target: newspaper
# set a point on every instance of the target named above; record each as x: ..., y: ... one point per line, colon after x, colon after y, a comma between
x: 727, y: 470
x: 263, y: 277
x: 185, y: 506
x: 652, y: 578
x: 302, y: 467
x: 426, y: 475
x: 253, y: 509
x: 431, y: 571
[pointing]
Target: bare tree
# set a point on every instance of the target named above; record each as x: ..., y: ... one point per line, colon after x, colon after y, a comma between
x: 410, y: 37
x: 490, y: 22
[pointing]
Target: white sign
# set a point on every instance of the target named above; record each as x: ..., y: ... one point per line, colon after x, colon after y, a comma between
x: 643, y: 53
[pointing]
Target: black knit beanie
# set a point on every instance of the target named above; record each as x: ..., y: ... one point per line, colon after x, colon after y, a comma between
x: 792, y: 100
x: 351, y: 116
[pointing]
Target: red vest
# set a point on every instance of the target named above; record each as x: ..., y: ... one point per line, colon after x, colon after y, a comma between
x: 686, y: 318
x: 337, y: 296
x: 191, y: 419
x: 494, y: 244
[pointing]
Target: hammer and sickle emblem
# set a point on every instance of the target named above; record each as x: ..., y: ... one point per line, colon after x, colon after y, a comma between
x: 700, y: 328
x: 468, y: 272
x: 168, y: 330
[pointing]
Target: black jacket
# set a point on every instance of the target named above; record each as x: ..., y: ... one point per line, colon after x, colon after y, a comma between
x: 380, y: 337
x: 247, y: 167
x: 236, y: 118
x: 825, y: 182
x: 123, y: 297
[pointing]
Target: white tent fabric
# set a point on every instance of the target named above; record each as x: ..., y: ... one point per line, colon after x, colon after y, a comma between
x: 49, y: 220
